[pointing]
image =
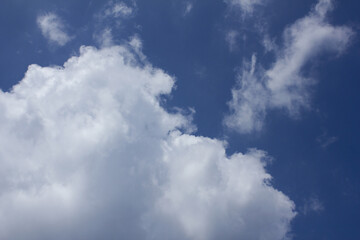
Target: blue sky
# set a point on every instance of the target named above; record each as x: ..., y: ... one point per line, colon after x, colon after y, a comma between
x: 219, y: 119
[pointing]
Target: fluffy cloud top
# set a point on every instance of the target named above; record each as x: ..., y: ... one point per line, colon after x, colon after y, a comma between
x: 283, y: 85
x: 88, y: 152
x: 53, y: 29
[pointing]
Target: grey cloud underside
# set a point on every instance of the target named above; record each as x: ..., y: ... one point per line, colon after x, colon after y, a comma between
x: 87, y: 152
x: 283, y: 85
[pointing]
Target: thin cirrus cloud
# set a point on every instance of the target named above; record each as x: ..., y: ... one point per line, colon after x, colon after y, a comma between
x: 283, y: 86
x: 90, y: 153
x: 112, y: 16
x: 53, y: 29
x: 312, y: 205
x: 118, y: 9
x: 188, y: 7
x: 231, y: 38
x: 246, y: 6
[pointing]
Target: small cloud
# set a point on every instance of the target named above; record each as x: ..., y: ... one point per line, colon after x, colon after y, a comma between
x: 249, y: 100
x: 231, y: 39
x: 269, y: 44
x: 136, y: 44
x: 312, y: 204
x: 325, y: 140
x: 246, y: 6
x: 118, y: 10
x: 188, y: 8
x: 109, y: 20
x: 105, y: 38
x: 200, y: 71
x: 53, y: 29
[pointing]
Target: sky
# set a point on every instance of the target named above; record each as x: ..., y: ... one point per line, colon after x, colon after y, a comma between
x: 179, y: 119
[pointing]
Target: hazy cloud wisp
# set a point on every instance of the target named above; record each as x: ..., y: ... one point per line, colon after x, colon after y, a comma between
x: 283, y: 85
x: 246, y: 6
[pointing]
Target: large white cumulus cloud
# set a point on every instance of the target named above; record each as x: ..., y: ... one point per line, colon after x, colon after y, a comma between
x: 88, y: 152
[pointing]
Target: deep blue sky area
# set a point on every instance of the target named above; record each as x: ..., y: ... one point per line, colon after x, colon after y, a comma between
x: 192, y: 47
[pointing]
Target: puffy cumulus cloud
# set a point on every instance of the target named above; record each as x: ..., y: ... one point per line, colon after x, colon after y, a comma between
x: 284, y: 86
x: 247, y: 6
x: 53, y: 29
x: 88, y: 152
x: 211, y: 196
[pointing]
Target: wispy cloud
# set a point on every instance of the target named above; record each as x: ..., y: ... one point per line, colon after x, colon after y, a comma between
x: 231, y: 38
x: 246, y: 6
x: 53, y: 29
x: 325, y: 140
x: 109, y: 21
x: 283, y: 85
x: 105, y: 38
x: 118, y: 9
x: 312, y: 204
x: 188, y: 8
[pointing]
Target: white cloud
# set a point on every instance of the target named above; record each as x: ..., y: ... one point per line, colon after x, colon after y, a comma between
x: 53, y: 29
x: 312, y: 204
x: 325, y: 140
x: 215, y: 197
x: 118, y: 9
x: 283, y: 85
x: 188, y: 8
x: 269, y: 44
x: 110, y: 20
x: 87, y: 152
x: 247, y: 6
x: 231, y: 39
x: 249, y: 100
x: 105, y: 38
